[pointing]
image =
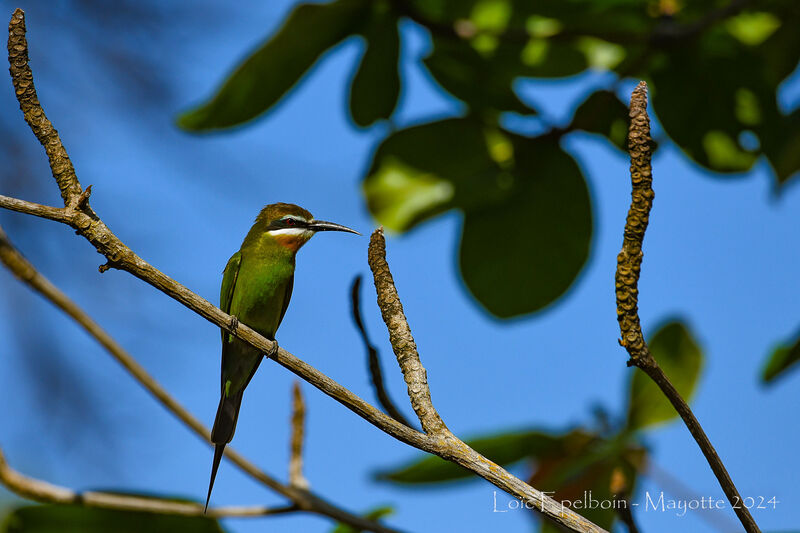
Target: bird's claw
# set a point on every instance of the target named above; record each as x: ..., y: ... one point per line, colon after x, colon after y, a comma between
x: 273, y: 351
x: 234, y: 323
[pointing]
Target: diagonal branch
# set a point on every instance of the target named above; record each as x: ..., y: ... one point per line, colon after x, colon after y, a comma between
x: 78, y: 215
x: 629, y: 264
x: 302, y: 499
x: 43, y: 492
x: 372, y: 357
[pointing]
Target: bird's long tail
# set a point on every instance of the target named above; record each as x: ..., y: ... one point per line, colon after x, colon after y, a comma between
x: 222, y: 433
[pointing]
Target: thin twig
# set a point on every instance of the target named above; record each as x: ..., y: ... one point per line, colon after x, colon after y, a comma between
x: 374, y: 363
x: 296, y: 478
x: 88, y: 225
x: 302, y: 499
x: 405, y: 349
x: 43, y: 492
x: 680, y: 491
x: 629, y: 264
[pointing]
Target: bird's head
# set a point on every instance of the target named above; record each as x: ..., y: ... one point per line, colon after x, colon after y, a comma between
x: 292, y: 226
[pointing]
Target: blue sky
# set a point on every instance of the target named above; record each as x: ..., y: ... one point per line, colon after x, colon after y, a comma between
x: 720, y: 252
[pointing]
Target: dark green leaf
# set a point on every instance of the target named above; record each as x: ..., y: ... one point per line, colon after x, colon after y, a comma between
x: 420, y: 171
x: 603, y: 113
x: 708, y: 129
x: 375, y: 514
x: 520, y: 256
x: 503, y: 449
x: 781, y: 144
x: 732, y: 116
x: 783, y: 357
x: 681, y: 359
x: 548, y: 58
x: 264, y: 77
x: 525, y: 203
x: 484, y: 83
x: 77, y: 519
x: 376, y: 85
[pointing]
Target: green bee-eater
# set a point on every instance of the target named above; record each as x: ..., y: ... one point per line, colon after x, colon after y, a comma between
x: 256, y: 288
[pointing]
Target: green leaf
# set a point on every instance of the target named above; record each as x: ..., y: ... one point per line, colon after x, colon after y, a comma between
x: 504, y: 449
x: 681, y: 359
x: 264, y: 77
x: 732, y: 117
x: 374, y: 514
x: 525, y: 202
x: 708, y: 130
x: 603, y: 113
x: 419, y: 172
x: 78, y: 519
x: 781, y: 145
x: 522, y: 255
x: 376, y: 85
x: 782, y: 358
x: 484, y: 83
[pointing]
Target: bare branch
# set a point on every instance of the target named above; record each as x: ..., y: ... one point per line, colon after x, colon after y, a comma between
x: 629, y: 264
x: 41, y: 491
x: 296, y: 478
x: 22, y: 77
x: 29, y: 208
x: 440, y: 442
x: 401, y: 339
x: 372, y: 357
x: 302, y: 499
x: 680, y: 491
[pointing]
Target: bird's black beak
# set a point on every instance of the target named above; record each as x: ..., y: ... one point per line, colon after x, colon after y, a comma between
x: 321, y: 225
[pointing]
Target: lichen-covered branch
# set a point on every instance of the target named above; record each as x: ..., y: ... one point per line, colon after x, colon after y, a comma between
x: 22, y: 77
x: 78, y: 215
x: 43, y: 492
x: 629, y: 260
x: 403, y: 345
x: 296, y: 478
x: 629, y: 264
x: 376, y: 375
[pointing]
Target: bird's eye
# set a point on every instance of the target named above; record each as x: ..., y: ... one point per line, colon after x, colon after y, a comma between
x: 290, y: 222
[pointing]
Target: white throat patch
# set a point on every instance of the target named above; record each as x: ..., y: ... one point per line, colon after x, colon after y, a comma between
x: 292, y: 232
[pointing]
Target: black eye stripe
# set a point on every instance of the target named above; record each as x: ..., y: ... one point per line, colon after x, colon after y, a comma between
x: 290, y: 222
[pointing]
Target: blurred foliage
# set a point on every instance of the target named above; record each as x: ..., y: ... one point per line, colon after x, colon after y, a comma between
x: 681, y: 359
x: 125, y: 43
x: 579, y: 463
x: 729, y: 57
x: 375, y: 514
x: 78, y: 519
x: 783, y: 357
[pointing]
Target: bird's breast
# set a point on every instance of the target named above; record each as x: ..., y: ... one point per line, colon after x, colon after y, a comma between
x: 260, y: 292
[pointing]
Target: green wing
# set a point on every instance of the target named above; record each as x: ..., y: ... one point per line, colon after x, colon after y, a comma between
x: 229, y: 277
x: 286, y: 297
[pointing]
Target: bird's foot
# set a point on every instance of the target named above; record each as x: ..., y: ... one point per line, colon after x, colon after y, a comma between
x: 270, y: 354
x: 234, y: 323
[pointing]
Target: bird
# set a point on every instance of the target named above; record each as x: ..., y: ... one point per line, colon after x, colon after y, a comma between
x: 256, y: 288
